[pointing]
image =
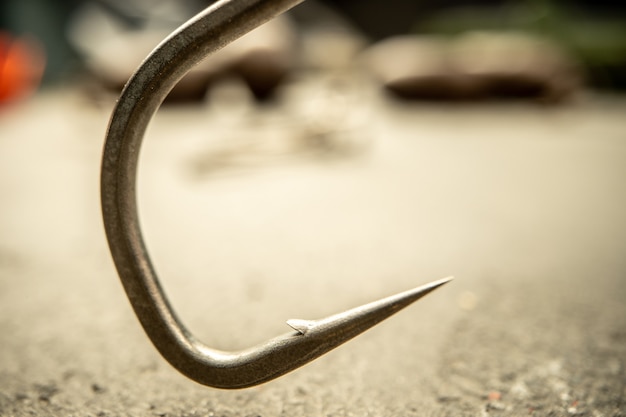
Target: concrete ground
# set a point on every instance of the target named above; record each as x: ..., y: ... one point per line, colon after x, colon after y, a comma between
x: 254, y: 216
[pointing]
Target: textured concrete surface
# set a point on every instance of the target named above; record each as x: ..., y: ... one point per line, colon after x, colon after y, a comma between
x: 253, y: 219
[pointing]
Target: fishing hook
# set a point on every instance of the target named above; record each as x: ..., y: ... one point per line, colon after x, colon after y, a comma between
x: 211, y: 29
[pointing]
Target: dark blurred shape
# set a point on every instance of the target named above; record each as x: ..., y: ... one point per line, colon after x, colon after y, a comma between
x: 417, y: 67
x: 384, y: 19
x: 263, y: 70
x: 22, y: 63
x: 512, y: 65
x: 474, y: 66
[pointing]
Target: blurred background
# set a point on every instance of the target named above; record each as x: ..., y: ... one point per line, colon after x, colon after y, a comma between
x: 340, y: 153
x: 558, y: 47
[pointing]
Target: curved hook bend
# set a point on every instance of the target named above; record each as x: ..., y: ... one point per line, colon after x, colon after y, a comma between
x: 210, y: 30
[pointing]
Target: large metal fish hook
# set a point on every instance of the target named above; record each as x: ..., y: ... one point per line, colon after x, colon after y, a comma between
x: 210, y: 30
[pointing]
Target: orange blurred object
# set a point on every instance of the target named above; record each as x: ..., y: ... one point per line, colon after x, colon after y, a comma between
x: 494, y: 396
x: 22, y: 62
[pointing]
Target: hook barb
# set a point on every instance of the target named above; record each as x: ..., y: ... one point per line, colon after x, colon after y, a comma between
x: 363, y: 317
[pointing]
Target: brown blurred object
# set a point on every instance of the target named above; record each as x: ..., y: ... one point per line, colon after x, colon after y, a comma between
x: 22, y: 62
x: 474, y: 66
x: 418, y: 67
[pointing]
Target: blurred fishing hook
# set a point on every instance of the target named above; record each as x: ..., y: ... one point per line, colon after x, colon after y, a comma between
x: 211, y: 29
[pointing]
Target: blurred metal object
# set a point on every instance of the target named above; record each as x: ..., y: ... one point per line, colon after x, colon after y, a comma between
x: 210, y: 30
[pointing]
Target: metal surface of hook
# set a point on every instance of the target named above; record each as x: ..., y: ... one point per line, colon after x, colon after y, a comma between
x: 210, y: 30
